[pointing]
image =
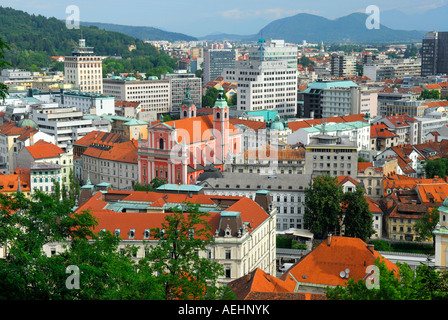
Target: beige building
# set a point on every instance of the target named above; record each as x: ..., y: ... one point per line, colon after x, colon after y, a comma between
x: 115, y: 164
x: 153, y: 95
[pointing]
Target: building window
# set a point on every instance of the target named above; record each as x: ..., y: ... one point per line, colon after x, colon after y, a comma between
x: 161, y: 144
x: 228, y: 254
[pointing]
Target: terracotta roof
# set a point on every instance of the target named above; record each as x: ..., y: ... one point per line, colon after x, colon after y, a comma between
x: 120, y: 152
x: 42, y: 149
x: 10, y: 129
x: 344, y: 179
x: 10, y: 182
x: 254, y: 125
x: 362, y: 166
x: 196, y: 129
x: 110, y: 220
x: 381, y: 131
x: 258, y: 285
x: 323, y: 265
x: 100, y: 138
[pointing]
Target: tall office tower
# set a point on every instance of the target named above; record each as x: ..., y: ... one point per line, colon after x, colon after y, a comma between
x: 84, y: 70
x: 435, y: 53
x: 179, y: 82
x: 268, y: 80
x: 215, y: 61
x: 343, y: 65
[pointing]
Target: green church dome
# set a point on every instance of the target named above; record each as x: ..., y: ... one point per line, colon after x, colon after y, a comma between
x: 27, y: 123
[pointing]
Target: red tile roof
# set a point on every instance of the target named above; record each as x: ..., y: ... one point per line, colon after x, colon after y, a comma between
x: 42, y: 149
x: 323, y: 265
x: 120, y: 152
x: 10, y: 182
x: 381, y: 131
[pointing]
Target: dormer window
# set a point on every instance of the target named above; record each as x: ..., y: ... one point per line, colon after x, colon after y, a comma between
x: 117, y: 232
x: 146, y: 234
x: 131, y: 233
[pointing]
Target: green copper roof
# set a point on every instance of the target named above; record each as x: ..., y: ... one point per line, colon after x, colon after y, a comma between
x: 330, y: 84
x: 177, y: 187
x: 221, y: 102
x: 338, y: 126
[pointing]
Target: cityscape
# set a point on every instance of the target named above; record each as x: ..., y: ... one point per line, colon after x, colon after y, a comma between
x: 295, y: 156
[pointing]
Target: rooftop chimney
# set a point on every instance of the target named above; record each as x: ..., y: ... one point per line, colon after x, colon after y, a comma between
x: 329, y: 239
x: 371, y: 247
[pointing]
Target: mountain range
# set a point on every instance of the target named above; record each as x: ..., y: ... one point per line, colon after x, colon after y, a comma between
x: 303, y: 26
x: 312, y: 28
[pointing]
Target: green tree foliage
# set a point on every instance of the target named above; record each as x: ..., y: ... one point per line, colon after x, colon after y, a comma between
x: 34, y: 39
x: 357, y: 215
x: 3, y: 63
x: 152, y: 186
x: 436, y: 167
x: 429, y: 94
x: 183, y: 273
x: 426, y: 224
x: 210, y: 97
x: 106, y: 272
x: 425, y: 283
x: 323, y: 205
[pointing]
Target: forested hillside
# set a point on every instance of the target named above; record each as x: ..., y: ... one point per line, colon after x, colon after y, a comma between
x: 34, y: 39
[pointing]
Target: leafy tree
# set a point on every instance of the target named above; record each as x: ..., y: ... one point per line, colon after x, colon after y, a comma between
x: 436, y: 167
x: 357, y: 216
x: 426, y: 224
x: 429, y: 94
x: 323, y: 205
x: 152, y: 186
x: 182, y: 272
x: 3, y: 63
x: 425, y: 283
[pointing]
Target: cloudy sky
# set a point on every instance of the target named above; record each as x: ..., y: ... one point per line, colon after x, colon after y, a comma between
x: 203, y: 17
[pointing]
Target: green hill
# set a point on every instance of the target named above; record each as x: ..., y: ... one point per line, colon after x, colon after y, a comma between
x: 143, y: 33
x: 34, y: 39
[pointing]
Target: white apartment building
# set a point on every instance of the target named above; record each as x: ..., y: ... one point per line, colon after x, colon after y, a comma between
x: 268, y: 80
x: 153, y: 95
x: 66, y: 124
x: 340, y: 101
x: 265, y: 85
x: 83, y: 69
x: 88, y: 103
x: 43, y: 175
x: 357, y: 132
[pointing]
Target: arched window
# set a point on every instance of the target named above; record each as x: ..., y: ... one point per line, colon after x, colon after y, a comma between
x: 218, y: 115
x: 225, y: 115
x: 185, y: 113
x: 161, y: 144
x: 192, y: 113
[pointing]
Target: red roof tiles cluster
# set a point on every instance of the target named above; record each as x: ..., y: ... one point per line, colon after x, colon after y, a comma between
x: 120, y: 152
x: 42, y: 149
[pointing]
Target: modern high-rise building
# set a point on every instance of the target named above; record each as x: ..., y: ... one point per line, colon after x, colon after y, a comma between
x: 435, y: 53
x: 343, y: 65
x: 215, y: 61
x: 268, y: 80
x: 84, y: 70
